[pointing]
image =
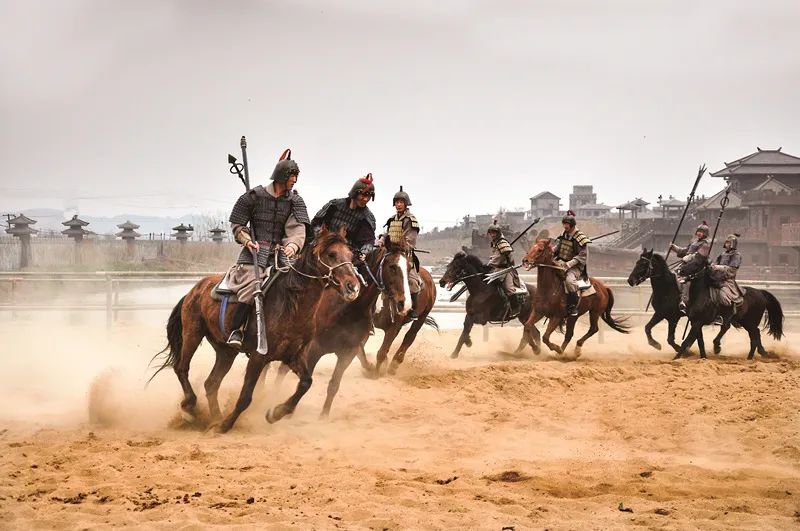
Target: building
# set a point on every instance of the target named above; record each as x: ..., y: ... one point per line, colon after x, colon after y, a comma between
x: 75, y: 229
x: 592, y: 210
x: 582, y: 195
x: 545, y: 204
x: 751, y: 171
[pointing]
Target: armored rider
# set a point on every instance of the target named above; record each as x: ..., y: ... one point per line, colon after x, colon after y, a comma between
x: 278, y: 222
x: 353, y: 214
x: 725, y: 267
x: 501, y: 257
x: 572, y: 251
x: 402, y: 230
x: 694, y: 257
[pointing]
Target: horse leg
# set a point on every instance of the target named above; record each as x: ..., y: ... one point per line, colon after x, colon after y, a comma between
x: 408, y: 340
x: 531, y: 334
x: 464, y: 336
x: 383, y: 352
x: 255, y: 365
x: 223, y: 363
x: 701, y: 344
x: 726, y: 325
x: 755, y: 342
x: 690, y: 337
x: 366, y: 366
x: 648, y: 330
x: 672, y: 324
x: 594, y: 317
x: 305, y: 371
x: 283, y: 370
x: 342, y: 363
x: 191, y: 338
x: 569, y: 332
x: 552, y: 324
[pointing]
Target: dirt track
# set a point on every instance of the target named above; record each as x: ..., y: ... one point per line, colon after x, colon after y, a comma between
x: 480, y: 442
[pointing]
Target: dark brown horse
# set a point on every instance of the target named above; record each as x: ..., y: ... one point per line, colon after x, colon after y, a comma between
x: 394, y: 303
x: 344, y: 329
x: 485, y: 304
x: 550, y: 301
x: 291, y: 306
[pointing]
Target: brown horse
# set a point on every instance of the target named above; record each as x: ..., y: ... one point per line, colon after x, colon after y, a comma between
x: 344, y: 329
x: 291, y: 323
x: 394, y: 303
x: 550, y: 301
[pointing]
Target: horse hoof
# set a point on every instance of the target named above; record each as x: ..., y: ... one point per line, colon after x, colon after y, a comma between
x: 717, y: 349
x: 392, y: 370
x: 188, y: 417
x: 270, y: 417
x: 325, y: 415
x: 577, y: 352
x: 677, y: 356
x: 454, y: 355
x: 223, y: 427
x: 468, y: 342
x: 655, y: 344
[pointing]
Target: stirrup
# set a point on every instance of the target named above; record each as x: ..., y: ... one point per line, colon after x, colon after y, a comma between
x: 235, y: 339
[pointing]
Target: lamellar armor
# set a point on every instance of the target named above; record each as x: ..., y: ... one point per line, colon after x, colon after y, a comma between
x: 267, y: 216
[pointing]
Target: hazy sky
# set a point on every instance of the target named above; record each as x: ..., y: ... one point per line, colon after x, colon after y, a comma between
x: 112, y: 106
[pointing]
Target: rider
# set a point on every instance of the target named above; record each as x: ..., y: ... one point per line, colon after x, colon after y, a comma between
x: 402, y: 230
x: 727, y: 264
x: 571, y: 249
x: 501, y: 258
x: 694, y: 257
x: 278, y: 220
x: 353, y: 214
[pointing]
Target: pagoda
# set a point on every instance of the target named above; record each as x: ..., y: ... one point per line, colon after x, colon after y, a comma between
x: 182, y: 232
x: 20, y: 227
x: 75, y: 228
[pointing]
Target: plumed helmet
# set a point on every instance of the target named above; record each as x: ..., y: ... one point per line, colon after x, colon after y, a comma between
x: 363, y: 185
x: 402, y: 195
x: 734, y: 239
x: 569, y: 218
x: 703, y: 227
x: 285, y: 168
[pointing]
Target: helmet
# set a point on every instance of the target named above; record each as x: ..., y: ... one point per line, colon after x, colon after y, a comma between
x: 363, y: 185
x: 285, y: 168
x: 402, y: 195
x: 734, y: 239
x: 494, y: 227
x: 569, y: 218
x: 703, y: 227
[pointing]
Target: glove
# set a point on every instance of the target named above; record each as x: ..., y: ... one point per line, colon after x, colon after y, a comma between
x: 688, y: 258
x: 572, y: 263
x: 560, y: 263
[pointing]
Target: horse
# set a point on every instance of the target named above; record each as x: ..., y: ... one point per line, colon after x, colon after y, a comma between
x: 391, y: 317
x: 485, y: 303
x: 344, y: 329
x: 551, y: 303
x: 666, y: 295
x: 703, y: 310
x: 291, y: 304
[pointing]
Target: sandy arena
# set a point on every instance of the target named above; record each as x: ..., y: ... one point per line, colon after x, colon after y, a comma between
x: 621, y: 437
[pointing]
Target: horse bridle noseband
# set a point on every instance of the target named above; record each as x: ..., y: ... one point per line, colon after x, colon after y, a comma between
x: 328, y: 278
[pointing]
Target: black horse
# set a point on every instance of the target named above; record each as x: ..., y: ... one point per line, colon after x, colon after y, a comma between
x: 666, y: 296
x: 703, y: 310
x: 484, y: 303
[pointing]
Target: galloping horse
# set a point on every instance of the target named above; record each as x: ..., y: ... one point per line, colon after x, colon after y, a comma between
x: 291, y: 323
x: 344, y: 329
x: 485, y: 303
x: 666, y: 295
x: 391, y: 317
x: 703, y: 309
x: 551, y: 303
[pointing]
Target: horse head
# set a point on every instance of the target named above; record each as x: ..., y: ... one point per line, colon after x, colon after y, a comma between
x: 540, y: 253
x: 333, y: 260
x: 459, y: 267
x: 642, y: 269
x: 394, y: 270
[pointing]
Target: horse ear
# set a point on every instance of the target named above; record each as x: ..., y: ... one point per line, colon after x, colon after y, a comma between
x: 342, y: 232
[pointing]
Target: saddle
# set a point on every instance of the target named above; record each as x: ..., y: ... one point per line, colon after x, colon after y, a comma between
x: 585, y: 288
x: 516, y: 301
x: 222, y: 293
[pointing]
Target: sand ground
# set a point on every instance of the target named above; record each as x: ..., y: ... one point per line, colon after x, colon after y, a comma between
x: 482, y: 442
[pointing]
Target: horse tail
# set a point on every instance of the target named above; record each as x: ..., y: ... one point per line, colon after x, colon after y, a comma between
x: 774, y: 315
x: 174, y: 340
x: 430, y: 321
x: 615, y: 324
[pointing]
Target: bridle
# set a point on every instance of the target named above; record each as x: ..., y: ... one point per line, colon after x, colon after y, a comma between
x: 327, y: 278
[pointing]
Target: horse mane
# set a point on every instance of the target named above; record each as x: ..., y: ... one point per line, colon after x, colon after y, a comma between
x: 475, y: 262
x: 288, y: 286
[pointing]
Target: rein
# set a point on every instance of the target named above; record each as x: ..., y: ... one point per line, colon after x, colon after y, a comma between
x: 328, y: 278
x: 378, y: 283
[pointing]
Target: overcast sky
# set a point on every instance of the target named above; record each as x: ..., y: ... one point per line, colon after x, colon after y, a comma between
x: 112, y: 106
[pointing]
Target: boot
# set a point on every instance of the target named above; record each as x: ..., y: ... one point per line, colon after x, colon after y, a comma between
x: 515, y: 307
x: 412, y: 313
x: 238, y: 322
x: 572, y: 304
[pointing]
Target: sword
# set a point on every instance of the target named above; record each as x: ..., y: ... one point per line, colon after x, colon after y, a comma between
x: 237, y: 168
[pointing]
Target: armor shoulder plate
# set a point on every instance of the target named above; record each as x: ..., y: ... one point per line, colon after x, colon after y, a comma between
x: 243, y: 209
x: 581, y: 238
x: 369, y: 217
x: 503, y: 246
x: 328, y: 209
x: 259, y: 191
x: 299, y: 208
x: 413, y: 219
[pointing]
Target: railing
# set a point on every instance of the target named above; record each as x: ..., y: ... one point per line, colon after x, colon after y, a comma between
x: 111, y: 283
